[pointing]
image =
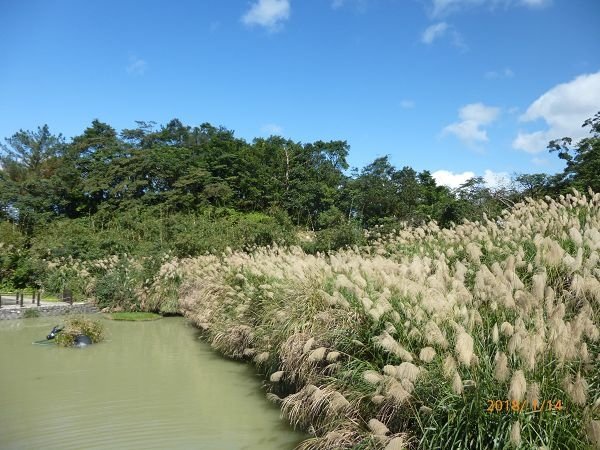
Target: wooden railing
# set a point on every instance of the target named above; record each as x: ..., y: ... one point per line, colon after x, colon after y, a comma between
x: 18, y: 298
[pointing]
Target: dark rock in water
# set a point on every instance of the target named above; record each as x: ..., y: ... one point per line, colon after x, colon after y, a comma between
x: 82, y: 340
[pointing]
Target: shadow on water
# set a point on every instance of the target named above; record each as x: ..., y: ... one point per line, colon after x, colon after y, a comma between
x: 150, y: 385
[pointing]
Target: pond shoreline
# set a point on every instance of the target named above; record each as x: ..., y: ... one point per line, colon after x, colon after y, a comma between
x: 12, y: 312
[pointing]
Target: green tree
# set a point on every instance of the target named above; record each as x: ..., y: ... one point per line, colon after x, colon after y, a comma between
x: 29, y: 185
x: 582, y: 161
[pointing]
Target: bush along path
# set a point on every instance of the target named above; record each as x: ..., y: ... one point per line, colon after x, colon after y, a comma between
x: 481, y: 336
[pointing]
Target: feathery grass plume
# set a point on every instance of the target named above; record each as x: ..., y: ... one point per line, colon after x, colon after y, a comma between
x: 457, y: 384
x: 414, y: 334
x: 397, y: 443
x: 261, y: 357
x: 495, y: 334
x: 515, y: 434
x: 539, y: 286
x: 449, y: 366
x: 530, y: 346
x: 390, y: 328
x: 407, y: 385
x: 276, y: 376
x: 377, y: 427
x: 273, y: 398
x: 308, y: 345
x: 333, y: 356
x: 425, y: 410
x: 514, y: 343
x: 389, y: 370
x: 474, y: 252
x: 583, y: 352
x: 464, y: 348
x: 338, y: 402
x: 533, y: 393
x: 408, y: 371
x: 427, y: 354
x: 378, y: 399
x: 331, y: 369
x: 518, y: 386
x: 387, y: 343
x: 372, y: 377
x: 593, y: 432
x: 340, y: 438
x: 395, y: 392
x: 367, y: 303
x: 576, y: 237
x: 592, y: 261
x: 506, y: 329
x: 434, y: 335
x: 578, y: 390
x: 317, y: 354
x: 550, y: 252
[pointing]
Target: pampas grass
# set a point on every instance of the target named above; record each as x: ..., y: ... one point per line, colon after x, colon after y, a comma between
x: 389, y: 331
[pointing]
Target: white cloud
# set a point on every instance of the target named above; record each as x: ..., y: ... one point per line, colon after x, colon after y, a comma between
x: 496, y: 179
x: 453, y: 180
x: 407, y: 104
x: 433, y: 32
x: 450, y: 179
x: 473, y: 118
x: 441, y: 8
x: 440, y: 30
x: 505, y: 73
x: 564, y: 108
x: 445, y: 7
x: 359, y: 6
x: 272, y: 129
x: 535, y: 3
x: 136, y: 66
x: 539, y: 161
x: 267, y: 13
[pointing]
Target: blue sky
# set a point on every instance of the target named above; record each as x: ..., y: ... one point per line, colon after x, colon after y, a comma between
x: 458, y: 87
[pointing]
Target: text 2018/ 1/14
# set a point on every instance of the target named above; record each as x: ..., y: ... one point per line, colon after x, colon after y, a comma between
x: 524, y: 406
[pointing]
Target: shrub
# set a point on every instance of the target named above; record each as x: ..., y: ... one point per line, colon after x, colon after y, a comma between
x: 31, y: 313
x: 77, y: 325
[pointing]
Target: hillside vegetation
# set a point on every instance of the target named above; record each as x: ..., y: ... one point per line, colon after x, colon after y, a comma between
x: 186, y: 191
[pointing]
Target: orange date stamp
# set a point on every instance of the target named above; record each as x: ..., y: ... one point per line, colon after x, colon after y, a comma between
x: 516, y: 406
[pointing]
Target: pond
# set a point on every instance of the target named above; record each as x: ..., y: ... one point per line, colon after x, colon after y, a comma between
x: 150, y: 385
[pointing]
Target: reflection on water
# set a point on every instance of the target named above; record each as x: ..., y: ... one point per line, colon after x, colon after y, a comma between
x: 150, y: 385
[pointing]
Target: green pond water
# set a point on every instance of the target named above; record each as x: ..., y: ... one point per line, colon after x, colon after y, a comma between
x: 150, y: 385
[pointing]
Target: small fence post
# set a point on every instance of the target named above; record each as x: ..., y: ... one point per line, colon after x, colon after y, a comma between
x: 38, y: 297
x: 33, y: 298
x: 21, y: 304
x: 68, y: 296
x: 0, y: 300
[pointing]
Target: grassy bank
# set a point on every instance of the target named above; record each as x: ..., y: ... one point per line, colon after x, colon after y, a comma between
x: 404, y: 343
x: 133, y: 316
